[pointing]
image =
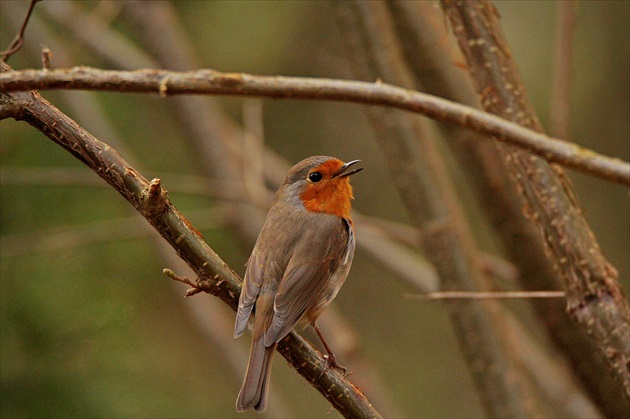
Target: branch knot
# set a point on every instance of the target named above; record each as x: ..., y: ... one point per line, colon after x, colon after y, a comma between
x: 154, y: 199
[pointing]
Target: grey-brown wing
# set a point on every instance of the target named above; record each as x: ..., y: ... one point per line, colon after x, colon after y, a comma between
x: 249, y: 292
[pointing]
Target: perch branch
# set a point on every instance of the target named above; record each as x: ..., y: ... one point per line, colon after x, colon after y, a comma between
x: 240, y: 84
x: 216, y: 139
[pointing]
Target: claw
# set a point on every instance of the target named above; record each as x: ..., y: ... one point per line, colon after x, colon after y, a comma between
x: 331, y: 361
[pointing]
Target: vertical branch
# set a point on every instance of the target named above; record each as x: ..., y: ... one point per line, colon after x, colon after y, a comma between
x: 594, y: 298
x: 433, y: 57
x: 423, y: 182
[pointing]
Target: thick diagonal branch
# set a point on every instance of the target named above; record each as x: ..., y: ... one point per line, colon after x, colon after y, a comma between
x: 152, y: 202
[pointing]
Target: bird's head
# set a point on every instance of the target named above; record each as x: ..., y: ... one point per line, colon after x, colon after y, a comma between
x: 322, y: 185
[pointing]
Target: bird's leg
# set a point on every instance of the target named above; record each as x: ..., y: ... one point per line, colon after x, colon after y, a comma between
x: 331, y: 360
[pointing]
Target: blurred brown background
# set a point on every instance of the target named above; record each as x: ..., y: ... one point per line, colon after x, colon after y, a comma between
x: 89, y: 324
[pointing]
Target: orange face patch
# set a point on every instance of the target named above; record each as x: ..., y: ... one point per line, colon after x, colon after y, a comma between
x: 330, y: 195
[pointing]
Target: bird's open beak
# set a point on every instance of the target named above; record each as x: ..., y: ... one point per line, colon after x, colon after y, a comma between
x: 342, y: 169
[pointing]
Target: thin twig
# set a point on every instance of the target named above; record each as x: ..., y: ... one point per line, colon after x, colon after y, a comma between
x: 47, y: 58
x: 18, y: 41
x: 490, y: 295
x: 240, y: 84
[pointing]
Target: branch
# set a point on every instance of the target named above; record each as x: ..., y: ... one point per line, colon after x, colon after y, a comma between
x: 431, y: 53
x: 240, y: 84
x: 153, y: 203
x: 423, y: 182
x: 594, y: 298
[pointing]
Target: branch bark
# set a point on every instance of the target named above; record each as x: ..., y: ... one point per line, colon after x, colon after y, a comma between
x: 240, y: 84
x: 214, y: 275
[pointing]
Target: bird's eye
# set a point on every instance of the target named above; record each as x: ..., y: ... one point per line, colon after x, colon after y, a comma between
x: 315, y: 177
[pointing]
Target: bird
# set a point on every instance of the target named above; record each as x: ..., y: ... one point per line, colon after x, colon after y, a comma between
x: 300, y: 261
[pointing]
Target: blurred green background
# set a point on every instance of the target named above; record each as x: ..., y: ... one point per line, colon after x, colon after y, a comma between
x: 91, y: 327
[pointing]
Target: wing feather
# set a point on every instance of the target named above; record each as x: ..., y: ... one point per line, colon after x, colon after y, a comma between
x: 249, y: 292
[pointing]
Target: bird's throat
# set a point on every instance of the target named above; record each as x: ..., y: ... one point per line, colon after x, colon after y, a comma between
x: 333, y: 198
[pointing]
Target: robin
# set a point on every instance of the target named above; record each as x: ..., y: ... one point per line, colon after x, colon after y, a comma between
x: 299, y: 263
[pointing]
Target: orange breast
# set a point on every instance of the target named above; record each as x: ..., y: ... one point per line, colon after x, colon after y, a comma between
x: 331, y: 196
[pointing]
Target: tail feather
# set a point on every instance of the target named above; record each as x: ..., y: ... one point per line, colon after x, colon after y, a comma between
x: 255, y: 386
